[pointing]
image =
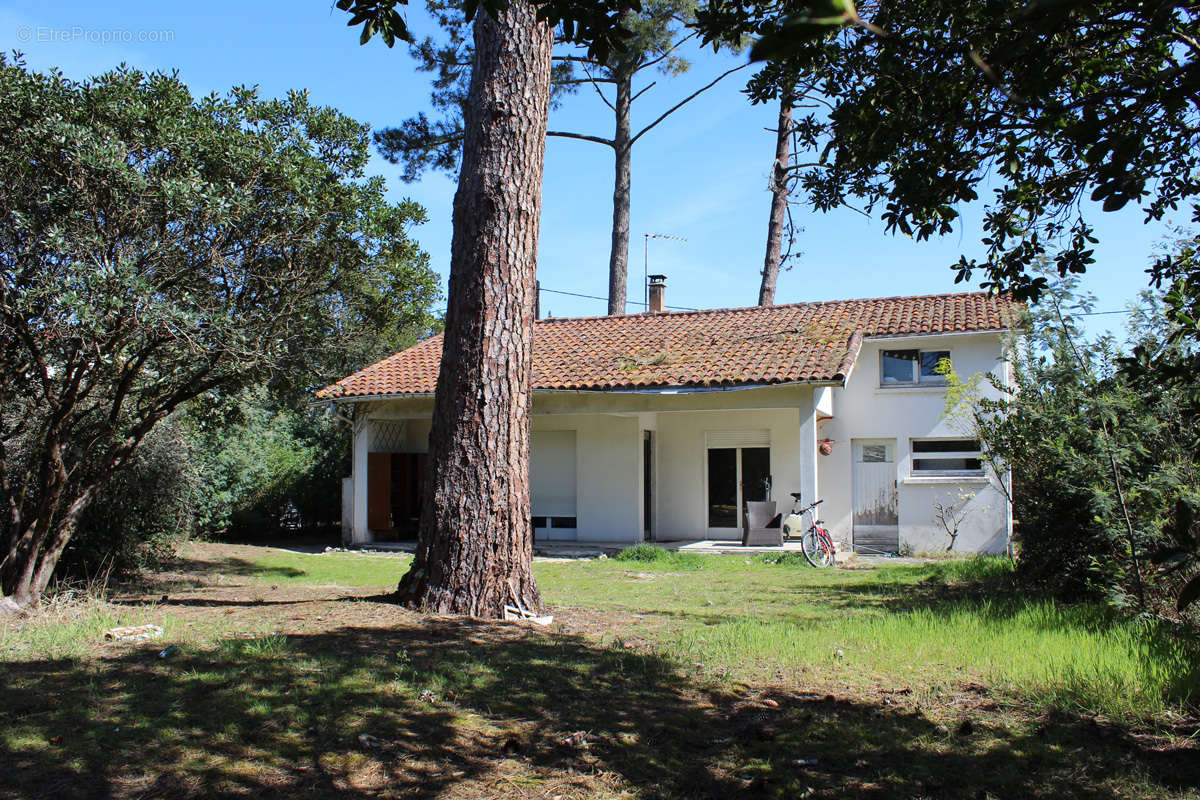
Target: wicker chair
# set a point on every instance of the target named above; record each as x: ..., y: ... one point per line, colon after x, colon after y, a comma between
x: 760, y: 525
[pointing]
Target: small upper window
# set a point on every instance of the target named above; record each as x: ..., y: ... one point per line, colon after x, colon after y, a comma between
x: 946, y: 457
x: 911, y: 367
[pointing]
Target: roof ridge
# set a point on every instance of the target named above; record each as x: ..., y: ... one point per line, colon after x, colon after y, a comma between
x: 798, y: 304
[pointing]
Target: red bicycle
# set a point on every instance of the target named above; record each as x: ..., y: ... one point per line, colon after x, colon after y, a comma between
x: 815, y: 543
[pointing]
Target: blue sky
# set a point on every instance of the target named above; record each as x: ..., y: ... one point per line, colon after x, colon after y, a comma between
x: 701, y: 175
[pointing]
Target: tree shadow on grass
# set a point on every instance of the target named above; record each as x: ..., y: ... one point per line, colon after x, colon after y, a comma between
x: 201, y: 572
x: 455, y: 708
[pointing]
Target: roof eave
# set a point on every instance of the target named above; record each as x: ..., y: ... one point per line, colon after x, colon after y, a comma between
x: 835, y: 380
x: 358, y: 398
x: 938, y: 334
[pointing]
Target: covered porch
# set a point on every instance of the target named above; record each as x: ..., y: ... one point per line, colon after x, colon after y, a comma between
x: 611, y: 469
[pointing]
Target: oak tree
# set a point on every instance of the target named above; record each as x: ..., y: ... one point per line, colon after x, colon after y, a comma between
x: 154, y: 248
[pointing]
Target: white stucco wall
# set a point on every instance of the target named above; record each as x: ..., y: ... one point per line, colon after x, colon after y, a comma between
x: 864, y: 410
x: 682, y: 462
x: 609, y: 433
x: 608, y: 451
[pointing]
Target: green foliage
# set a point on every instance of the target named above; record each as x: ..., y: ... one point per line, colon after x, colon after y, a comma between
x: 1177, y: 270
x: 160, y: 250
x: 652, y: 35
x: 1048, y: 104
x: 1102, y: 457
x: 596, y: 25
x: 267, y: 467
x: 811, y: 21
x: 661, y: 557
x: 144, y: 512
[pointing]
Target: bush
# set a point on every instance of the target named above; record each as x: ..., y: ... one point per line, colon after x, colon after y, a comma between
x: 269, y: 467
x: 1100, y: 447
x: 142, y: 514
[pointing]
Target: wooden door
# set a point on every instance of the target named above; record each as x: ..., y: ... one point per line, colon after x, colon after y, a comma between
x: 408, y: 482
x: 876, y: 499
x: 379, y: 491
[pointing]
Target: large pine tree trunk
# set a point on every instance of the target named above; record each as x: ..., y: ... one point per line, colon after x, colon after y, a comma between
x: 779, y: 198
x: 618, y: 258
x: 475, y: 549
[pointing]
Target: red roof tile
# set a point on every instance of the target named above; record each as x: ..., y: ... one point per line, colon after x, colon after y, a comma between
x: 799, y: 342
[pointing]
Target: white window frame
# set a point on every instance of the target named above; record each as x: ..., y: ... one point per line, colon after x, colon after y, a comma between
x: 918, y: 379
x: 916, y: 456
x: 734, y: 440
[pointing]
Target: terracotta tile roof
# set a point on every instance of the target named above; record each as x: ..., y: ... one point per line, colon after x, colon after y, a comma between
x: 800, y: 342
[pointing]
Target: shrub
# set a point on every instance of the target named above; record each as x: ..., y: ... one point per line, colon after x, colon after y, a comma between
x: 1101, y: 451
x: 143, y: 512
x: 268, y: 466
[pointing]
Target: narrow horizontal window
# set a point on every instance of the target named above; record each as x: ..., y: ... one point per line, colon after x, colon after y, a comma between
x: 946, y: 457
x: 540, y: 522
x: 947, y: 465
x: 945, y: 445
x: 562, y: 522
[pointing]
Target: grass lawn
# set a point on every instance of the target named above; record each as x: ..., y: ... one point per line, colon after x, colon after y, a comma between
x: 682, y: 677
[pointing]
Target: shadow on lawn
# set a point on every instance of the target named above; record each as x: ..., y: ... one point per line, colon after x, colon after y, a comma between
x: 199, y: 572
x: 276, y: 718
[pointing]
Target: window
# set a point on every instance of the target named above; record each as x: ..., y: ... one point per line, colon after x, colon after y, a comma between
x: 875, y: 454
x: 543, y: 523
x: 911, y: 367
x: 946, y: 457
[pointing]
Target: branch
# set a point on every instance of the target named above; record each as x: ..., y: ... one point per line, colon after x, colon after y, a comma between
x: 596, y: 86
x: 577, y: 81
x: 1190, y: 41
x: 687, y: 100
x: 666, y: 53
x: 648, y: 87
x: 585, y: 137
x: 991, y: 75
x: 798, y: 167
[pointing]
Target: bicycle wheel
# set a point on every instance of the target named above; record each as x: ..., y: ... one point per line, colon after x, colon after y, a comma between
x: 815, y: 549
x: 830, y: 549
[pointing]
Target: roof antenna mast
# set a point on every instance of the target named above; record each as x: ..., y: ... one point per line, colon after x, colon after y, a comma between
x: 646, y: 261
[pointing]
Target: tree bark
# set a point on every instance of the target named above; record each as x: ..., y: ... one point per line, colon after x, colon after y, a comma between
x: 618, y: 257
x: 475, y: 547
x: 779, y: 199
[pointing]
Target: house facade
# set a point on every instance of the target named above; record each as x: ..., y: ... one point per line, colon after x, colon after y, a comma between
x: 660, y: 426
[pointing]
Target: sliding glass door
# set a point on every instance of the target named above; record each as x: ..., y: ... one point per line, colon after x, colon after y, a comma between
x: 735, y: 475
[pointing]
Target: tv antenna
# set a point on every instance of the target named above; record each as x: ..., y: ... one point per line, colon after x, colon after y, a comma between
x: 646, y: 261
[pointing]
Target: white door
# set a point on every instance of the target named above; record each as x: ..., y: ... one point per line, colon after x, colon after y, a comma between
x: 552, y: 484
x: 876, y: 521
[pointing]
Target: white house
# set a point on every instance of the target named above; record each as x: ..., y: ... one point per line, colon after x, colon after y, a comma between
x: 658, y: 426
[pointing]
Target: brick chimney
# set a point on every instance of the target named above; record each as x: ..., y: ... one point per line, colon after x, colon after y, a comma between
x: 658, y: 291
